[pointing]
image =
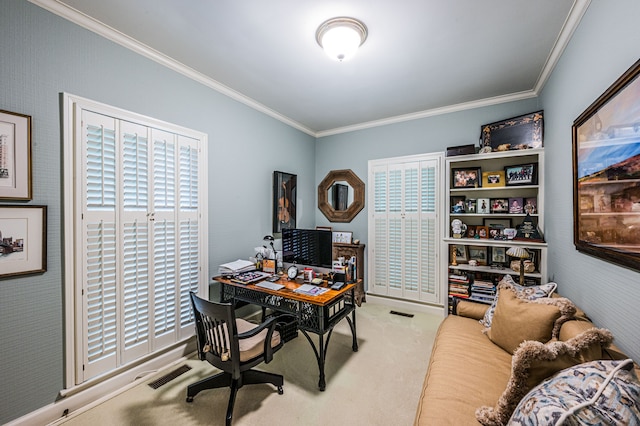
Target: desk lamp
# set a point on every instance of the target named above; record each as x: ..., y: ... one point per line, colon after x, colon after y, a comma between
x: 271, y: 239
x: 522, y: 254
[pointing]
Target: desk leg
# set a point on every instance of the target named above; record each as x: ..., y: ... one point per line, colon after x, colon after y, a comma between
x: 321, y: 354
x: 352, y: 325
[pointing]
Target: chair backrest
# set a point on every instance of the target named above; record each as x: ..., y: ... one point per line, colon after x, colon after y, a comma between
x: 217, y: 333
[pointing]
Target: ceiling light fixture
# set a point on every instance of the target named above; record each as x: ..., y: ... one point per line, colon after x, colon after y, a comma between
x: 341, y: 37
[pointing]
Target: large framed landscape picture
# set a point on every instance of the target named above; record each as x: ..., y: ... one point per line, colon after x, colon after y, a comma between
x: 606, y: 167
x: 23, y: 240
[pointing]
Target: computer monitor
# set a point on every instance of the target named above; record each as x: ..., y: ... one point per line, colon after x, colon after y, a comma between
x: 309, y: 247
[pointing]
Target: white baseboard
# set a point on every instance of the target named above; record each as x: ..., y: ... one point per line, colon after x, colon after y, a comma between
x: 405, y: 304
x: 76, y: 403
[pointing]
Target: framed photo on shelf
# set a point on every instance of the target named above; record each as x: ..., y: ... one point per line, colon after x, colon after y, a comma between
x: 522, y: 132
x: 524, y: 174
x: 458, y: 204
x: 497, y: 222
x: 342, y: 237
x: 471, y: 231
x: 499, y: 205
x: 482, y: 231
x: 479, y: 254
x: 530, y: 205
x: 461, y: 253
x: 470, y: 205
x: 24, y: 240
x: 284, y: 201
x: 516, y: 205
x: 15, y: 156
x: 493, y: 179
x: 499, y: 255
x: 466, y: 178
x: 483, y: 205
x: 606, y: 174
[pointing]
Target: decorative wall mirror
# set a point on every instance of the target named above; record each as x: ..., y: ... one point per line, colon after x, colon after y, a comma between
x: 341, y: 195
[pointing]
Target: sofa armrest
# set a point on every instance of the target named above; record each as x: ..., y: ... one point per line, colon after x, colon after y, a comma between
x: 469, y: 309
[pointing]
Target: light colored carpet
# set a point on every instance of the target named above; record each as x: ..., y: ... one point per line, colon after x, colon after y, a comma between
x: 378, y: 385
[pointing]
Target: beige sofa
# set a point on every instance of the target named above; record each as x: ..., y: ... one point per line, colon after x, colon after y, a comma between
x: 468, y: 371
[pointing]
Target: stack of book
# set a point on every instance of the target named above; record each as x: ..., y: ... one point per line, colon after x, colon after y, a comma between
x: 459, y: 286
x: 483, y: 291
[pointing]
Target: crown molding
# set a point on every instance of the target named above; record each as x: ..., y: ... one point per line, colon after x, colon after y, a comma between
x: 93, y: 25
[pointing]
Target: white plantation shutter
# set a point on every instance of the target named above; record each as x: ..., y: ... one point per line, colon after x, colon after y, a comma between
x: 139, y: 239
x: 404, y: 230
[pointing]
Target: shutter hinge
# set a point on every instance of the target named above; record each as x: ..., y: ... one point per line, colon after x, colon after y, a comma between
x: 82, y: 367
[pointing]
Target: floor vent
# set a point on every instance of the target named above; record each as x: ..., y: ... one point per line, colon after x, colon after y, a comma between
x: 169, y: 377
x: 402, y: 314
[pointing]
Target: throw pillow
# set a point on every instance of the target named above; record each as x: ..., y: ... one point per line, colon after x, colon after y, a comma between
x: 597, y: 392
x: 525, y: 292
x: 516, y: 320
x: 535, y: 361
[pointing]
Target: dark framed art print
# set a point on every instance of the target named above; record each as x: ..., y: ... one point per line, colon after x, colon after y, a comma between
x: 606, y: 171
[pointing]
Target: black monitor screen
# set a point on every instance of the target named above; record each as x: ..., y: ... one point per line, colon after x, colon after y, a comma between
x: 312, y: 247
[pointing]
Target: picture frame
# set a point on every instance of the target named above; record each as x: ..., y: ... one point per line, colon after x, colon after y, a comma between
x: 499, y: 255
x: 497, y: 222
x: 482, y: 231
x: 530, y: 205
x: 470, y: 205
x: 516, y: 205
x: 483, y: 206
x: 23, y: 240
x: 493, y: 179
x: 284, y: 201
x: 471, y: 231
x: 466, y: 178
x: 606, y: 174
x: 344, y: 237
x: 461, y: 254
x: 523, y: 174
x: 499, y: 205
x: 458, y: 205
x: 479, y: 254
x: 15, y: 156
x: 521, y: 132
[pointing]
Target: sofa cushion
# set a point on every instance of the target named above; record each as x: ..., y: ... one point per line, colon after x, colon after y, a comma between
x: 598, y: 392
x: 465, y: 371
x: 535, y: 361
x: 524, y: 292
x: 516, y: 320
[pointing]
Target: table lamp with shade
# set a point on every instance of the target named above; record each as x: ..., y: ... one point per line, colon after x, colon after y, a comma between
x: 522, y: 254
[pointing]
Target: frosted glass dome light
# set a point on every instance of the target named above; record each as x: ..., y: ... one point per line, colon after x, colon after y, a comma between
x: 341, y: 37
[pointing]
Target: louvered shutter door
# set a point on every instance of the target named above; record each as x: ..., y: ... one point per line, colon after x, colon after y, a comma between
x: 410, y: 232
x: 136, y: 245
x: 164, y: 238
x: 429, y: 232
x: 99, y: 241
x: 379, y: 280
x: 189, y: 257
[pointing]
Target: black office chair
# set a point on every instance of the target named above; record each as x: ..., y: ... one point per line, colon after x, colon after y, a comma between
x: 234, y: 346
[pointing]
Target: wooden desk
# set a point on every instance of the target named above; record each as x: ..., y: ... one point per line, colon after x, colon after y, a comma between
x: 314, y: 314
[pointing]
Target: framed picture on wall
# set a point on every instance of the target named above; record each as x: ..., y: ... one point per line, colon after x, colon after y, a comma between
x: 284, y: 201
x: 606, y: 174
x: 23, y: 240
x: 15, y: 156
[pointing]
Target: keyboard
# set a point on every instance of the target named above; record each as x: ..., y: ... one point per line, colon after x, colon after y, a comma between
x: 269, y: 285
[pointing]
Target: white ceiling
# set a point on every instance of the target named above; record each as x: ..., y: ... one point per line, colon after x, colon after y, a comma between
x: 422, y: 57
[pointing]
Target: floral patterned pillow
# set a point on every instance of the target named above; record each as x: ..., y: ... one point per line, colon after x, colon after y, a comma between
x: 598, y: 392
x: 523, y: 292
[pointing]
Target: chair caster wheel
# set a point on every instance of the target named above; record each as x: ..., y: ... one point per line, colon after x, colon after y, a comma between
x: 280, y: 390
x: 189, y: 399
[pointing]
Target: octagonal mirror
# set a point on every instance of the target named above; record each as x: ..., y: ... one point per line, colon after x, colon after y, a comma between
x: 341, y: 195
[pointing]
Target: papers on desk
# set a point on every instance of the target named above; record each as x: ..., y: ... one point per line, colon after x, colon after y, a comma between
x: 311, y: 290
x: 269, y: 285
x: 236, y: 267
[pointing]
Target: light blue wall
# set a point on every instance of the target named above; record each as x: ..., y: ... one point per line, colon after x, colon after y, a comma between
x: 604, y: 46
x: 42, y: 55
